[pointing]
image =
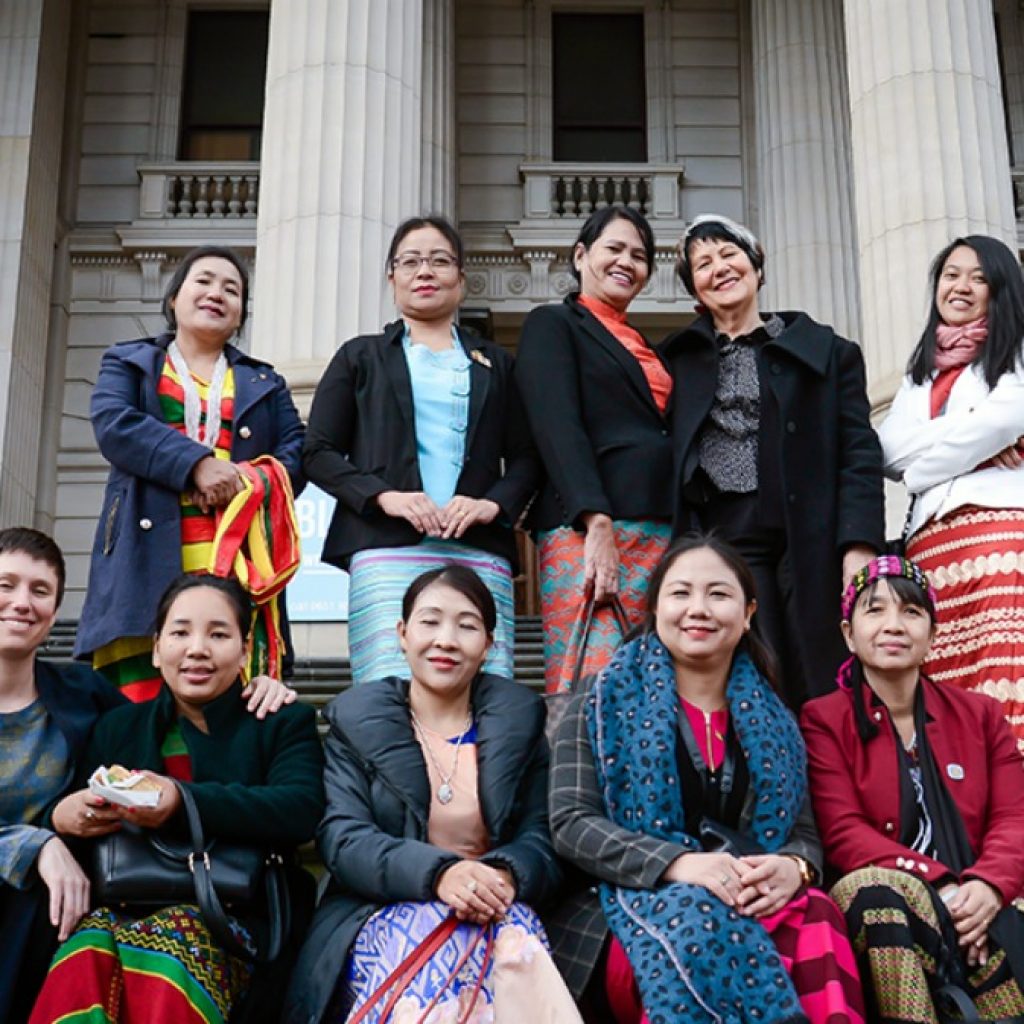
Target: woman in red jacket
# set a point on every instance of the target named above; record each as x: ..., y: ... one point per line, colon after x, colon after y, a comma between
x: 918, y: 790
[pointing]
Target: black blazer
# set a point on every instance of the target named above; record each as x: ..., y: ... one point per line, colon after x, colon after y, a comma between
x: 820, y: 462
x: 361, y: 441
x: 605, y: 446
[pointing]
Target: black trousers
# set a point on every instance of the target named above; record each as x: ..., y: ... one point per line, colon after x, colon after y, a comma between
x: 739, y: 520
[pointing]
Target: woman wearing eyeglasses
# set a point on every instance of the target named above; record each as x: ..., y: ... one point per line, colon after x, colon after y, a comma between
x: 420, y: 435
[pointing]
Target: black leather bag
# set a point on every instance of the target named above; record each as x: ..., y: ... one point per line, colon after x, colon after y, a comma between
x: 140, y: 869
x: 718, y: 838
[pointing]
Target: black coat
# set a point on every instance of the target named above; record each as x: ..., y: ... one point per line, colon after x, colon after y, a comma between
x: 373, y: 838
x: 819, y: 461
x: 604, y: 444
x: 361, y: 441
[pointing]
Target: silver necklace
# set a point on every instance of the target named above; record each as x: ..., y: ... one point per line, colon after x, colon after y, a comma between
x: 445, y: 793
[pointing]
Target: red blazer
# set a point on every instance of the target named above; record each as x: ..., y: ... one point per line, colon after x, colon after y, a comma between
x: 856, y: 794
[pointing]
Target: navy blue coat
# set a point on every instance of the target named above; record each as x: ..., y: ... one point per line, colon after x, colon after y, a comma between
x: 137, y: 549
x: 74, y: 697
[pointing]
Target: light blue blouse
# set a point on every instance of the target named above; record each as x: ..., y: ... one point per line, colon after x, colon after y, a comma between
x: 440, y: 396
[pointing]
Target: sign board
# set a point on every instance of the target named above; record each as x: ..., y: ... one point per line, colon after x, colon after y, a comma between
x: 318, y: 592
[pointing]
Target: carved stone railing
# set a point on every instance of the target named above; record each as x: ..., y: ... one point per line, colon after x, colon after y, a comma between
x: 199, y: 191
x: 574, y: 191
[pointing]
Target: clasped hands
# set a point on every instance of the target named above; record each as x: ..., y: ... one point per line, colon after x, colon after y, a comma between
x: 755, y: 886
x: 477, y: 892
x: 447, y: 523
x: 973, y: 907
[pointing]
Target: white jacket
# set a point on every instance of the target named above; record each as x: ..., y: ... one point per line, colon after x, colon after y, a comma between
x: 937, y: 458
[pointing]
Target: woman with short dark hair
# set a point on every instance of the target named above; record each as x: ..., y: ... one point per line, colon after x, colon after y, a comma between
x: 419, y: 434
x: 955, y: 437
x: 598, y: 397
x: 774, y: 448
x: 182, y: 418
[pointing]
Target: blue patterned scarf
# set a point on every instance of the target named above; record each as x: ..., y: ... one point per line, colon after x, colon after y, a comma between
x: 695, y: 959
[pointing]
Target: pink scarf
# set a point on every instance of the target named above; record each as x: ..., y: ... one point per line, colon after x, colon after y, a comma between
x: 959, y: 345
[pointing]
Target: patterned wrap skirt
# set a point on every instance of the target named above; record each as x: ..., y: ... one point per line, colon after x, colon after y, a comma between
x: 974, y: 558
x: 641, y: 544
x: 379, y: 578
x: 906, y: 950
x: 810, y: 937
x: 163, y: 968
x: 521, y: 982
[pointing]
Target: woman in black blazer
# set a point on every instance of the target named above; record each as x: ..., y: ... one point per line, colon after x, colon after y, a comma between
x: 419, y: 434
x: 597, y: 396
x: 774, y: 449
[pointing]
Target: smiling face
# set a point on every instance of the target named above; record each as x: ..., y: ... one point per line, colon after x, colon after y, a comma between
x: 209, y: 302
x: 701, y: 613
x: 199, y: 649
x: 28, y: 603
x: 961, y: 295
x: 889, y: 636
x: 426, y: 292
x: 614, y: 269
x: 724, y: 279
x: 444, y: 641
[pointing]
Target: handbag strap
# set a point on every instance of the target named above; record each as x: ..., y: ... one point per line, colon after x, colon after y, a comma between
x: 210, y: 906
x: 401, y: 977
x: 487, y: 930
x: 583, y: 635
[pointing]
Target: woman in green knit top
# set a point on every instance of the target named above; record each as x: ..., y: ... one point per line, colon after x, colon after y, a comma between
x: 252, y: 781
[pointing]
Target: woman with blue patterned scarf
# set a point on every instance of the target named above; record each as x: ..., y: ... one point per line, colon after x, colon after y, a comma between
x: 679, y: 785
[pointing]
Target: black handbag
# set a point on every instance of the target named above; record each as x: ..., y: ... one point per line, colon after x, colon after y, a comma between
x: 718, y: 838
x: 142, y: 869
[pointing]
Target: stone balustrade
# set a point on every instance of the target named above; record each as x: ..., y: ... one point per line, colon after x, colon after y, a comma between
x: 199, y: 191
x: 574, y: 191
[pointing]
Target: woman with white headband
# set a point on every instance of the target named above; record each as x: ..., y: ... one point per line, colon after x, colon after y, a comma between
x: 774, y: 448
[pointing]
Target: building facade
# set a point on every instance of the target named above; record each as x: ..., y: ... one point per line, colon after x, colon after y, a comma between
x: 855, y: 137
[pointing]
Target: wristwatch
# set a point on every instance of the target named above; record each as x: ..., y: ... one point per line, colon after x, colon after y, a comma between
x: 806, y: 871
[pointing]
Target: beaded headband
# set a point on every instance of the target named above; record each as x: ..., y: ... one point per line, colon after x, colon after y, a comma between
x: 879, y: 568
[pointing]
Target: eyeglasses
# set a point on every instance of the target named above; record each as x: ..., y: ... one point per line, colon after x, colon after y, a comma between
x: 410, y: 262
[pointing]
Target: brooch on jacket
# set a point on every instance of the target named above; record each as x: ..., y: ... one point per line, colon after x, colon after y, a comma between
x: 478, y: 357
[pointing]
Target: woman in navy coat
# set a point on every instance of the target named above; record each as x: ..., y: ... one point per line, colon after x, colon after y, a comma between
x: 170, y: 466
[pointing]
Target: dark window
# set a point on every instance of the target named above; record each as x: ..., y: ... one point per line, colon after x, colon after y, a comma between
x: 225, y: 74
x: 599, y: 97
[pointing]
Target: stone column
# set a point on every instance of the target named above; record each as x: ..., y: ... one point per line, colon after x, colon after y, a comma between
x: 438, y: 146
x: 803, y: 157
x: 930, y: 158
x: 340, y: 167
x: 33, y: 56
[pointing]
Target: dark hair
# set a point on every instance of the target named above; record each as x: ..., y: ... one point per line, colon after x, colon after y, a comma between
x: 461, y: 579
x: 1002, y: 352
x: 907, y: 593
x: 752, y: 643
x: 220, y: 252
x: 40, y: 546
x: 714, y: 231
x: 594, y: 227
x: 238, y: 598
x: 430, y: 220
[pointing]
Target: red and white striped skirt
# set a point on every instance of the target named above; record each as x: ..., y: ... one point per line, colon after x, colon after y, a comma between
x: 974, y: 558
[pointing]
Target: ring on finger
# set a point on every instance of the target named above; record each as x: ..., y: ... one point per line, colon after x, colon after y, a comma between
x: 471, y: 886
x: 90, y: 815
x: 725, y: 881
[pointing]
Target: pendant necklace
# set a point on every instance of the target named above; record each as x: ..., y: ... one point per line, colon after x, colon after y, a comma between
x: 445, y: 792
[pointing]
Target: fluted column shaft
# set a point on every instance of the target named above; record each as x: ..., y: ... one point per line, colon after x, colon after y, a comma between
x: 340, y: 167
x: 930, y: 157
x: 33, y: 56
x: 438, y: 162
x: 803, y: 153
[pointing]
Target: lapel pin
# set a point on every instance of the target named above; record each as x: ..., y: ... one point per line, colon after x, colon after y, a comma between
x: 478, y: 357
x: 955, y: 771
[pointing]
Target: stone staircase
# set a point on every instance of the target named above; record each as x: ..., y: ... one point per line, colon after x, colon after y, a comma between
x: 320, y: 679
